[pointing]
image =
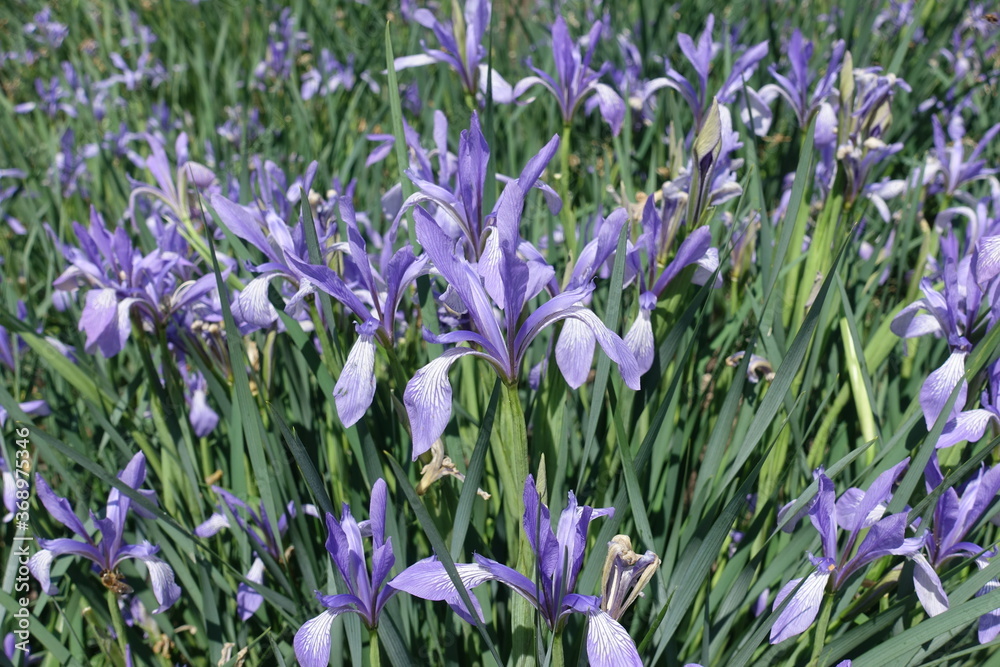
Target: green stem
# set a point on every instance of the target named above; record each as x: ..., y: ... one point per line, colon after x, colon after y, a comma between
x: 373, y: 654
x: 116, y: 622
x: 510, y: 450
x: 558, y: 660
x: 821, y: 627
x: 569, y: 223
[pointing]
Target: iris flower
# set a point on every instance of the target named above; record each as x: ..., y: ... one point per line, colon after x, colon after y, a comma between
x: 367, y: 593
x: 509, y: 282
x: 855, y: 511
x: 382, y: 290
x: 111, y: 550
x: 259, y: 529
x: 954, y: 517
x: 575, y: 81
x: 559, y: 558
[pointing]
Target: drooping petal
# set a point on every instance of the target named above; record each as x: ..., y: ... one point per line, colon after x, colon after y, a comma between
x: 203, y: 418
x: 928, y: 586
x: 608, y: 643
x: 575, y: 352
x: 312, y: 641
x: 41, y: 561
x: 803, y: 608
x: 99, y: 320
x: 161, y: 576
x: 248, y: 601
x: 254, y: 306
x: 355, y: 387
x: 939, y: 385
x: 428, y: 399
x: 970, y: 425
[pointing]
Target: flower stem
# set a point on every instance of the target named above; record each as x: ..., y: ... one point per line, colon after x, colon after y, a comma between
x: 510, y: 449
x: 821, y: 627
x: 373, y: 653
x: 557, y: 650
x: 569, y: 223
x: 116, y: 623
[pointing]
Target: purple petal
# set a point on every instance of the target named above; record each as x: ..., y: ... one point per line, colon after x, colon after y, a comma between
x: 254, y: 306
x: 612, y: 107
x: 101, y: 321
x: 248, y: 601
x: 161, y: 576
x: 939, y: 385
x: 312, y: 641
x: 355, y: 387
x: 203, y: 418
x: 987, y: 259
x: 608, y: 643
x: 212, y: 525
x: 802, y: 610
x: 575, y: 352
x: 429, y: 580
x: 928, y: 586
x: 428, y: 399
x: 58, y: 507
x: 41, y: 561
x: 969, y: 426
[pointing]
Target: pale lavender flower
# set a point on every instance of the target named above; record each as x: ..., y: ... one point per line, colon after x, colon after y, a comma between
x: 257, y: 526
x: 382, y: 292
x: 464, y: 56
x: 559, y: 557
x: 52, y: 97
x: 107, y: 554
x: 507, y: 281
x: 46, y: 31
x: 575, y: 81
x: 329, y: 76
x: 952, y: 315
x: 367, y: 592
x: 284, y: 44
x: 856, y: 511
x: 69, y: 164
x: 9, y: 490
x: 947, y: 167
x: 34, y: 408
x: 957, y: 511
x: 795, y: 87
x: 700, y: 56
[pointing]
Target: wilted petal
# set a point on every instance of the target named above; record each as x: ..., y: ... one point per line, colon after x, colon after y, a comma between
x: 355, y: 387
x: 248, y: 600
x: 428, y: 399
x: 939, y: 385
x: 928, y: 586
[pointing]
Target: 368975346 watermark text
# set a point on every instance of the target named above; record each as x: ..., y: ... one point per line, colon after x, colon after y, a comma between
x: 20, y: 469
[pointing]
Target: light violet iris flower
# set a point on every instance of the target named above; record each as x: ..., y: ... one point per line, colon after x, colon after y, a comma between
x: 559, y: 558
x: 366, y: 593
x: 461, y: 44
x: 374, y: 301
x: 111, y: 550
x: 700, y: 55
x: 575, y: 81
x: 954, y: 517
x: 506, y: 281
x: 258, y: 527
x: 855, y: 511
